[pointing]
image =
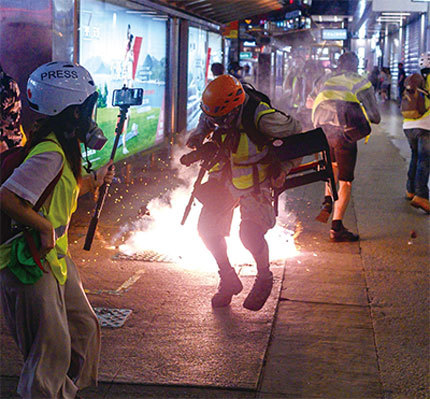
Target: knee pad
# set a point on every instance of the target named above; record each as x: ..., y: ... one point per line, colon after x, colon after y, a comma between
x: 252, y: 236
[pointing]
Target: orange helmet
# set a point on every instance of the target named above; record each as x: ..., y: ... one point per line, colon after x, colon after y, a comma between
x: 222, y: 95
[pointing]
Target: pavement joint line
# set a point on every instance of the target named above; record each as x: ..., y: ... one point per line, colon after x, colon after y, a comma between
x: 272, y: 329
x: 371, y: 316
x: 282, y: 299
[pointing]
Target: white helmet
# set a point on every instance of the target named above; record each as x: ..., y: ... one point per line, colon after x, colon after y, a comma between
x: 54, y: 86
x: 424, y: 61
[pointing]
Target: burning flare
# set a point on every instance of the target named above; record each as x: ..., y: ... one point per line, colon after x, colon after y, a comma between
x: 159, y: 230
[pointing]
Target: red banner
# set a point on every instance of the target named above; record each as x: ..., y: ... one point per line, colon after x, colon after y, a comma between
x: 136, y: 52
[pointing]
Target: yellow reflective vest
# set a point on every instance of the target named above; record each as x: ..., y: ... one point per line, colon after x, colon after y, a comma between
x: 245, y: 161
x: 63, y: 203
x: 342, y: 87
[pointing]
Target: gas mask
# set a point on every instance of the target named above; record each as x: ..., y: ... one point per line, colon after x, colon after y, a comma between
x: 95, y: 139
x: 88, y: 132
x: 225, y: 121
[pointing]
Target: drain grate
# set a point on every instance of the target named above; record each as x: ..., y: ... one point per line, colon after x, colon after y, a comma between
x: 113, y: 318
x: 146, y: 256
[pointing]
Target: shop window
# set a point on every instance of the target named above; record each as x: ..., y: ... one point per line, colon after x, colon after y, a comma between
x: 204, y: 48
x: 125, y: 47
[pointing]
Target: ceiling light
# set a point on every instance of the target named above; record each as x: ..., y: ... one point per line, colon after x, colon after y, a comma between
x: 388, y: 19
x: 397, y: 13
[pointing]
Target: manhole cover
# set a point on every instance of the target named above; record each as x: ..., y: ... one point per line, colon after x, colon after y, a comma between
x: 146, y: 256
x: 113, y: 318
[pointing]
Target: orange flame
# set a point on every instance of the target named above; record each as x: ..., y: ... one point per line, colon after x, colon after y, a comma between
x: 161, y: 232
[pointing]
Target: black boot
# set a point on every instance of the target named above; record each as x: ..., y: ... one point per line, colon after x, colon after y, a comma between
x: 229, y: 285
x: 260, y: 291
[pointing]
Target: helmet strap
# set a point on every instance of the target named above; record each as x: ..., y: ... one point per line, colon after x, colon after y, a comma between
x: 87, y: 168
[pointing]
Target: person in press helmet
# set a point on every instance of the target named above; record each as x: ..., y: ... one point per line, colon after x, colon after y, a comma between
x: 417, y: 130
x: 238, y: 124
x: 344, y: 106
x: 47, y: 311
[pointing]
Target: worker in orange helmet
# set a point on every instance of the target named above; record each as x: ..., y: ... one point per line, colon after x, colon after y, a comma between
x: 241, y: 122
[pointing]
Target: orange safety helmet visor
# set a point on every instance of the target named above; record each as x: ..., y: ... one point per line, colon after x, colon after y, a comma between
x: 222, y: 95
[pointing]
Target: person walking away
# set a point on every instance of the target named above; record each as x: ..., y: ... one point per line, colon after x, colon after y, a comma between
x: 239, y: 123
x: 385, y: 83
x: 417, y: 131
x: 48, y: 312
x: 400, y: 81
x: 343, y: 105
x: 388, y: 83
x: 11, y: 132
x: 297, y: 84
x: 373, y: 78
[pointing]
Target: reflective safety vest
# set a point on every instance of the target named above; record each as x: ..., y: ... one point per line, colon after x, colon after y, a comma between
x: 342, y: 87
x: 61, y: 207
x: 247, y: 171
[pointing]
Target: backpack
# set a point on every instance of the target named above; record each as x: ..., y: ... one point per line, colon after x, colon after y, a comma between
x: 254, y: 93
x: 255, y: 97
x: 412, y: 105
x: 9, y: 161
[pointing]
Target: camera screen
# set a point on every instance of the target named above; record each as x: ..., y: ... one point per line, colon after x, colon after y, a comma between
x: 127, y: 97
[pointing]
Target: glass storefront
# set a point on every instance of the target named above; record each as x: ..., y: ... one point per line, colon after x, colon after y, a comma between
x: 125, y: 47
x: 204, y: 48
x: 215, y: 51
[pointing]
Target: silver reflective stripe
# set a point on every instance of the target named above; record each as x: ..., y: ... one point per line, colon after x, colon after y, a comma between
x: 60, y: 256
x: 60, y: 231
x: 359, y: 85
x: 243, y: 171
x: 335, y: 87
x: 254, y: 155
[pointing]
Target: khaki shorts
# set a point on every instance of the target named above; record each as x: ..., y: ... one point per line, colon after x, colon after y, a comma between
x: 257, y: 208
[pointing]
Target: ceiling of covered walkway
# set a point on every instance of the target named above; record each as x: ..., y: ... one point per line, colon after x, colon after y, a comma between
x: 224, y: 11
x: 359, y: 13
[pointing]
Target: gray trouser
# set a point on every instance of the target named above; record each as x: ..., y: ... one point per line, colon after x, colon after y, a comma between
x: 57, y: 332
